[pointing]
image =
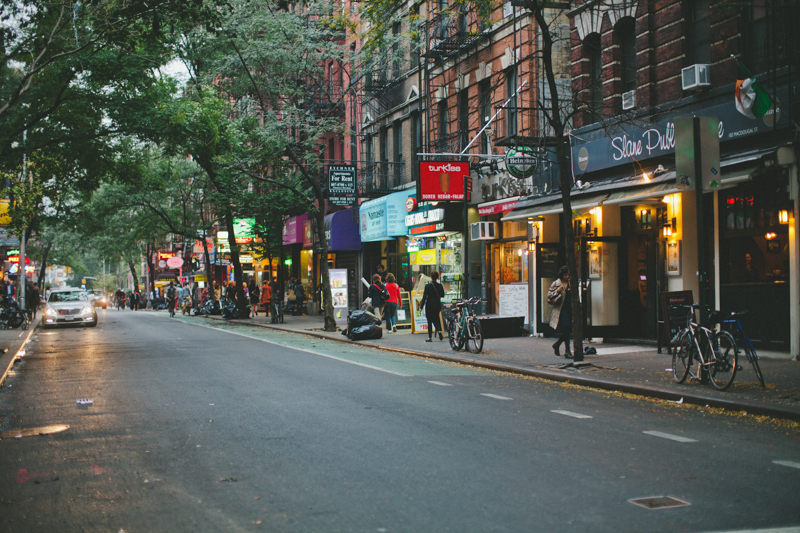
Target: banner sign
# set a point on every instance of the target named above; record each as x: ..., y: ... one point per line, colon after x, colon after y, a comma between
x: 342, y: 185
x: 244, y: 230
x: 442, y: 181
x: 633, y: 145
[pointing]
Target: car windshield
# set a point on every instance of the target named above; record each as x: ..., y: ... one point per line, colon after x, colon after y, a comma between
x: 67, y: 296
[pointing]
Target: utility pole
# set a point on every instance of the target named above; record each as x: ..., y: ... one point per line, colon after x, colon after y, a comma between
x: 21, y: 277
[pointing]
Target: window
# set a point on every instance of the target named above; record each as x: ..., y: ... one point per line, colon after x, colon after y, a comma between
x: 595, y: 54
x: 331, y: 149
x: 463, y: 117
x: 442, y: 118
x: 353, y: 146
x: 442, y: 5
x: 396, y: 53
x: 415, y: 32
x: 511, y: 107
x: 626, y: 32
x: 485, y: 90
x: 770, y: 37
x: 397, y: 136
x: 369, y: 152
x: 416, y: 129
x: 698, y: 34
x: 384, y: 145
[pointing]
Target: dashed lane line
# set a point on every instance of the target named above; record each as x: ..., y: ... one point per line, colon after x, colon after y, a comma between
x: 790, y: 464
x: 569, y: 413
x: 676, y: 438
x: 495, y: 396
x: 440, y: 383
x: 795, y: 529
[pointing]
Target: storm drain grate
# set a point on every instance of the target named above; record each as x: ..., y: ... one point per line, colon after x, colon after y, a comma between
x: 659, y: 502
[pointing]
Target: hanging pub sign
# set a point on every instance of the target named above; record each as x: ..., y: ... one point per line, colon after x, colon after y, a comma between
x: 342, y: 185
x: 521, y: 162
x: 443, y: 180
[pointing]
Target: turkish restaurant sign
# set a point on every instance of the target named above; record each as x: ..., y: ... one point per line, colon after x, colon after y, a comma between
x: 441, y: 181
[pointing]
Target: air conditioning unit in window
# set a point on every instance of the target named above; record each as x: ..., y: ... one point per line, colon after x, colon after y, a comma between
x: 483, y: 231
x: 696, y: 76
x: 628, y: 100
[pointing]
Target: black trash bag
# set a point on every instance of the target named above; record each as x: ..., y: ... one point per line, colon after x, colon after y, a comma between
x: 359, y: 318
x: 366, y: 333
x: 590, y: 350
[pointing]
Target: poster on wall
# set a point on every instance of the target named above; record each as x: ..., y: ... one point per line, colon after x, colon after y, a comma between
x: 339, y: 294
x: 419, y: 321
x: 594, y: 263
x: 674, y: 258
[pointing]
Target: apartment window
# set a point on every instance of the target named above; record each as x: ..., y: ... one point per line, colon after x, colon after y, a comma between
x: 384, y: 145
x: 770, y: 36
x: 415, y: 31
x: 463, y: 117
x: 698, y: 32
x: 485, y: 108
x: 396, y: 53
x: 462, y: 18
x: 331, y: 149
x: 353, y: 146
x: 397, y: 136
x: 511, y: 108
x: 416, y: 130
x: 442, y: 5
x: 594, y: 53
x: 443, y: 119
x: 626, y: 33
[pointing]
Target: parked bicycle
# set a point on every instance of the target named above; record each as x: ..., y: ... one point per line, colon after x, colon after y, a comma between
x: 715, y: 352
x: 463, y: 327
x: 731, y: 324
x: 277, y: 312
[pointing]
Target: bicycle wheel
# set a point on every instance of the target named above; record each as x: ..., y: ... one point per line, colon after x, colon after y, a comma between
x: 453, y: 334
x: 474, y: 336
x: 726, y: 359
x: 756, y: 367
x: 682, y: 357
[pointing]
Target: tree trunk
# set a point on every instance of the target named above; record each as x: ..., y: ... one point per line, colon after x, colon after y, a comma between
x: 241, y: 300
x: 135, y: 277
x: 565, y: 174
x: 43, y: 267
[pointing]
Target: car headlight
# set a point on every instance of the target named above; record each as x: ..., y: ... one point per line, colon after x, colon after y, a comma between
x: 49, y: 311
x: 88, y: 309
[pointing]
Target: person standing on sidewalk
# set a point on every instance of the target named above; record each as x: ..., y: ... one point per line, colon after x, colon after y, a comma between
x: 255, y: 295
x: 377, y: 297
x: 432, y: 303
x: 561, y: 317
x: 392, y: 303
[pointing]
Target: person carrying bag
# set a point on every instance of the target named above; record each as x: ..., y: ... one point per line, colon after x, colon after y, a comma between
x: 561, y: 316
x: 379, y: 295
x: 432, y: 303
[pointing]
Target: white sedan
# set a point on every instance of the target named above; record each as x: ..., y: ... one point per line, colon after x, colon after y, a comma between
x: 68, y: 306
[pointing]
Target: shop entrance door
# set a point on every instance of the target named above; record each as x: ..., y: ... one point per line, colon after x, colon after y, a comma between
x: 549, y: 258
x: 399, y: 265
x: 641, y: 276
x: 599, y: 270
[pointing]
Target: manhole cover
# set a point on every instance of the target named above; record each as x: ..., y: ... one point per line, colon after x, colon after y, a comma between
x: 29, y: 432
x: 659, y: 502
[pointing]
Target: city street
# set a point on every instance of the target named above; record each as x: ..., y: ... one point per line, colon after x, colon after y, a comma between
x: 199, y: 425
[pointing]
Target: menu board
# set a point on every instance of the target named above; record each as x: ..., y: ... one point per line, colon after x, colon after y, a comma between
x: 339, y: 294
x: 514, y: 300
x: 404, y: 311
x: 419, y: 323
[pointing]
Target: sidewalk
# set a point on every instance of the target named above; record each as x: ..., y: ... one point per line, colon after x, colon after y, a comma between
x: 11, y: 342
x: 616, y: 367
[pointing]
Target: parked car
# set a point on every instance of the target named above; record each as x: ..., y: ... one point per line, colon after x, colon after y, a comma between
x: 98, y: 298
x: 70, y: 305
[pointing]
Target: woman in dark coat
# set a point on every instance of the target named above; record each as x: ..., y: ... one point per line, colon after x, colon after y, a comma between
x: 432, y: 302
x: 561, y: 316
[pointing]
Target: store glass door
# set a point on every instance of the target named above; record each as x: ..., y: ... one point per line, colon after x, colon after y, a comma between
x: 549, y: 258
x: 600, y: 274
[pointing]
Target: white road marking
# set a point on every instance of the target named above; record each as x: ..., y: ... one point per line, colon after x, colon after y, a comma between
x: 440, y: 383
x: 495, y: 396
x: 569, y: 413
x: 676, y: 438
x: 300, y: 349
x: 790, y: 464
x: 775, y: 530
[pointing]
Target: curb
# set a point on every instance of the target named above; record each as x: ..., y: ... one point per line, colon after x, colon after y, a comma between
x: 11, y: 349
x: 750, y: 406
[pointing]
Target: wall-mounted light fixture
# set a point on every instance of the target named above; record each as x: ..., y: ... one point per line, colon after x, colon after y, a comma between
x: 646, y: 177
x: 783, y: 216
x: 671, y: 228
x: 770, y: 236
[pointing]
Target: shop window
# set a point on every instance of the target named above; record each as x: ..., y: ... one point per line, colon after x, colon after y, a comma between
x: 515, y: 229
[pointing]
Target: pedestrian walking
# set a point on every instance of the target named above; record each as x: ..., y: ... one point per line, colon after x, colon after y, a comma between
x: 254, y: 296
x: 300, y: 297
x: 266, y: 296
x: 561, y: 316
x: 432, y: 303
x: 393, y: 303
x: 378, y: 295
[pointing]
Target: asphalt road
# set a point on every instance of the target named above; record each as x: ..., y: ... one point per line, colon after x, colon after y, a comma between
x: 204, y: 426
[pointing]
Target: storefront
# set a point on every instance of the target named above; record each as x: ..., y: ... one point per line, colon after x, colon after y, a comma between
x: 383, y: 232
x: 296, y: 253
x: 344, y: 250
x: 435, y: 242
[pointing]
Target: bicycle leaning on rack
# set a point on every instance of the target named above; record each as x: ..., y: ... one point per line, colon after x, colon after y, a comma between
x: 715, y: 352
x: 463, y: 327
x: 731, y: 324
